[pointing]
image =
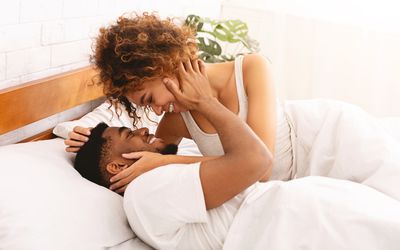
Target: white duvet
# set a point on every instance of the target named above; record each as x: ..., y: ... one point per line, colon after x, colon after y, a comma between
x: 339, y: 141
x: 342, y: 142
x: 316, y: 213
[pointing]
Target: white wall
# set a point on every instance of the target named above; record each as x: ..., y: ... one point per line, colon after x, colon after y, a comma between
x: 39, y: 38
x: 341, y: 49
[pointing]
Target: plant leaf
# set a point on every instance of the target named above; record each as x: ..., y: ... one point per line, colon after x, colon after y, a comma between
x: 194, y: 22
x: 209, y: 46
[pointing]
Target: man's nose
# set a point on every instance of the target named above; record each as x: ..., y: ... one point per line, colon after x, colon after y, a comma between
x: 157, y: 109
x: 143, y: 131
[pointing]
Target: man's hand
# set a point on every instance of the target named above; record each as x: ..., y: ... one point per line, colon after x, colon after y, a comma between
x: 194, y: 86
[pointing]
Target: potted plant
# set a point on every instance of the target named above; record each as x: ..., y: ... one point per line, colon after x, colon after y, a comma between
x: 213, y: 35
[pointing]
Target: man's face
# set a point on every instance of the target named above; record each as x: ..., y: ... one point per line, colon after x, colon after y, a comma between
x: 124, y: 140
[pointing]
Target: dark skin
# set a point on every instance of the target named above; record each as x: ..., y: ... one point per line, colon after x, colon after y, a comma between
x: 246, y: 157
x: 124, y: 140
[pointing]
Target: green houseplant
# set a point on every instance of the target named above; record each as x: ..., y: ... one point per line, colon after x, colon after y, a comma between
x: 214, y: 35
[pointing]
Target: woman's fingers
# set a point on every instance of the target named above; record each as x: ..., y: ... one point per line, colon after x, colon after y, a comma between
x: 82, y: 130
x: 119, y: 184
x: 72, y: 149
x: 73, y: 143
x: 134, y: 155
x: 121, y: 190
x: 123, y: 174
x: 124, y: 182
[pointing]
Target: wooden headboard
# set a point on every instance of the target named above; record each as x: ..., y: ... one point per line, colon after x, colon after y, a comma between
x: 36, y: 100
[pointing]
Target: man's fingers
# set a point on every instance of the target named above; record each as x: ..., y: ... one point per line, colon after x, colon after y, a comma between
x: 181, y: 68
x: 173, y: 88
x: 188, y: 65
x: 195, y: 65
x: 202, y: 66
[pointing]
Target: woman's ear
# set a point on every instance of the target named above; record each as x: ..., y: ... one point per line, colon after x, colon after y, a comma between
x: 115, y: 167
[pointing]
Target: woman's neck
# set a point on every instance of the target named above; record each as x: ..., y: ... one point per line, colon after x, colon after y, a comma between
x: 219, y: 75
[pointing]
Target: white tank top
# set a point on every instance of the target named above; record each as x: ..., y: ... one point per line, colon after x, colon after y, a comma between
x: 210, y: 144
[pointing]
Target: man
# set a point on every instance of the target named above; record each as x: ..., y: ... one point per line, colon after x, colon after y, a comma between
x: 182, y: 206
x: 101, y: 157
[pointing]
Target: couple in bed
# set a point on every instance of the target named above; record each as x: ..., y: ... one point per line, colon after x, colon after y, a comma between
x: 152, y: 63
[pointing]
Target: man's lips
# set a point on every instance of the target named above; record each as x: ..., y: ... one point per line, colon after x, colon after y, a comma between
x: 151, y: 139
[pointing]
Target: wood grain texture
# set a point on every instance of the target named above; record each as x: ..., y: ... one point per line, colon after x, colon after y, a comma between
x: 45, y: 135
x: 36, y: 100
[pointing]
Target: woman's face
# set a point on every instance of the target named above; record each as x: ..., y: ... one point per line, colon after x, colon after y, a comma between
x: 156, y: 95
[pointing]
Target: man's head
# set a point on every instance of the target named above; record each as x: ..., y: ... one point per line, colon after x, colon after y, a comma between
x: 101, y: 156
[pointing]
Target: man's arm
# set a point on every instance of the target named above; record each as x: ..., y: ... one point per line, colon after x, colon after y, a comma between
x: 246, y: 157
x: 245, y: 161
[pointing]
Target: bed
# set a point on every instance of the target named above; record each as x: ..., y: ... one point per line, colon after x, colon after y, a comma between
x: 46, y: 204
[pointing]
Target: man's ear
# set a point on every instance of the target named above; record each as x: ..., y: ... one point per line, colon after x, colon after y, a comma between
x: 115, y: 167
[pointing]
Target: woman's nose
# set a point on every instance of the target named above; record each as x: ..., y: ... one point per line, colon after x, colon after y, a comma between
x: 157, y: 109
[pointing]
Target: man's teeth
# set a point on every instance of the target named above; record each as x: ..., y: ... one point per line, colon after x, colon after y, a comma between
x: 152, y: 140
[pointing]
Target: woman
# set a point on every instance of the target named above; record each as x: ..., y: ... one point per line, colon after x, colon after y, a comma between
x: 136, y: 55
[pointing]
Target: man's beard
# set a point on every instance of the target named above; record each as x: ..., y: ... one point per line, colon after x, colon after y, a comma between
x: 169, y: 149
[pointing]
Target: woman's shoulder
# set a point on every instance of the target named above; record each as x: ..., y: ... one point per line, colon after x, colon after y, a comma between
x: 255, y: 67
x: 255, y: 60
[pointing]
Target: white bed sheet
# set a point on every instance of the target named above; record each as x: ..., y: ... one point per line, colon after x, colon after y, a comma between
x: 315, y: 213
x: 343, y: 142
x: 276, y: 227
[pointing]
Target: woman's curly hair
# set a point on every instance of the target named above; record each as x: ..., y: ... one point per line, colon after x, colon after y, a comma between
x: 138, y: 48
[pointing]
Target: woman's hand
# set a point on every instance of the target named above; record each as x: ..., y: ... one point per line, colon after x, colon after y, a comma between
x: 146, y: 161
x: 77, y: 138
x: 194, y: 86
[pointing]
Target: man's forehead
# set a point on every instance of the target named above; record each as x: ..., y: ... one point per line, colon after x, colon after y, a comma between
x: 110, y: 131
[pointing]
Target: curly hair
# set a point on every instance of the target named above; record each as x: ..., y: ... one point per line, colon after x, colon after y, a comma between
x: 139, y: 48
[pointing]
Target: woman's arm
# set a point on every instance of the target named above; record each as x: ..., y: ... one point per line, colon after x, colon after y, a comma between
x: 76, y: 132
x: 147, y: 161
x: 172, y: 128
x: 259, y: 86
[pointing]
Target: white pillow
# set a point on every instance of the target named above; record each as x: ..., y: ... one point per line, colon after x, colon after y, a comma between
x: 107, y: 114
x: 46, y: 204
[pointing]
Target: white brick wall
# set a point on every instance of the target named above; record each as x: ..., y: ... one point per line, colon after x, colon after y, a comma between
x: 2, y: 66
x: 19, y: 36
x: 8, y: 12
x: 79, y: 8
x: 27, y: 61
x: 39, y: 38
x: 62, y: 54
x: 40, y: 10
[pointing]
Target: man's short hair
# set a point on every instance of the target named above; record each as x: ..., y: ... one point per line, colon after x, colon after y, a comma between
x: 90, y: 159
